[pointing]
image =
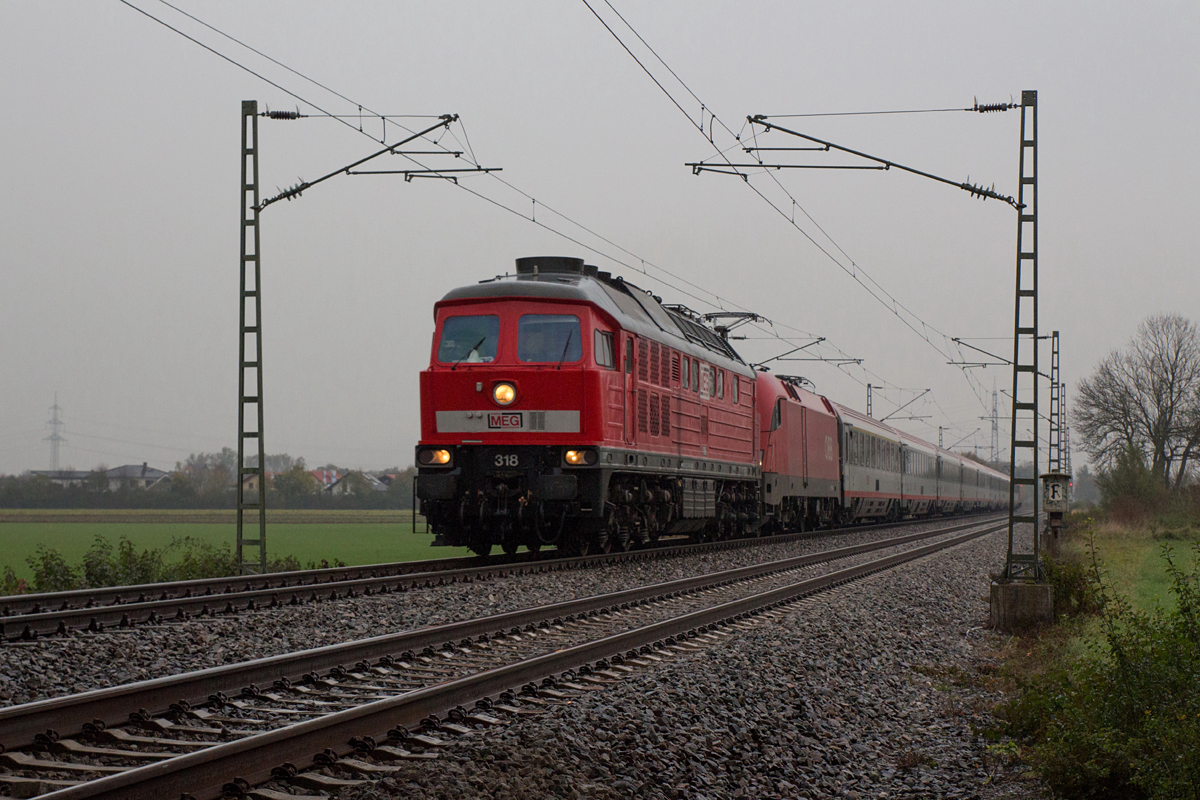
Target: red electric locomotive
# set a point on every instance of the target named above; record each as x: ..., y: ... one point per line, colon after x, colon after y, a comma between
x: 565, y: 406
x: 802, y: 479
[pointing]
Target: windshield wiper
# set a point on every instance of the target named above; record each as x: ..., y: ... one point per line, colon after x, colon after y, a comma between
x: 570, y: 333
x: 468, y: 353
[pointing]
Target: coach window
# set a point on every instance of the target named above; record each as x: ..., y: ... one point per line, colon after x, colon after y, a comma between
x: 605, y: 357
x: 549, y: 338
x: 469, y: 339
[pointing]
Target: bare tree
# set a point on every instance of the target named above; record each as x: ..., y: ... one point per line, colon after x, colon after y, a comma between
x: 1147, y: 398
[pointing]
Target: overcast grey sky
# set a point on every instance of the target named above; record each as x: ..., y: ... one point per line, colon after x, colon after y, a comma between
x: 119, y: 234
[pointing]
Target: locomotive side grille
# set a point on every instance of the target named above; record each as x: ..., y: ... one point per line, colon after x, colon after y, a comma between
x: 642, y: 412
x: 643, y: 357
x: 654, y: 359
x: 653, y: 414
x: 666, y: 415
x: 537, y: 420
x: 674, y: 370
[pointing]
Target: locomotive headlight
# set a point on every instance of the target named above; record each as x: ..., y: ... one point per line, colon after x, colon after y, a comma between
x: 433, y: 457
x: 504, y: 393
x: 580, y: 458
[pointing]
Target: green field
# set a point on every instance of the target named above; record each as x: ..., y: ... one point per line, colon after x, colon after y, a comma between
x: 358, y: 537
x: 1132, y: 556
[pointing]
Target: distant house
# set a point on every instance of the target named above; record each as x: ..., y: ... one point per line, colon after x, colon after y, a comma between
x: 326, y: 477
x: 250, y: 482
x: 134, y: 476
x: 349, y: 482
x: 63, y: 477
x: 130, y: 476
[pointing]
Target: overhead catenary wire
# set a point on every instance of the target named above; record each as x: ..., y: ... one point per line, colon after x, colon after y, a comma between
x: 891, y: 303
x: 795, y: 204
x: 978, y: 108
x: 718, y: 300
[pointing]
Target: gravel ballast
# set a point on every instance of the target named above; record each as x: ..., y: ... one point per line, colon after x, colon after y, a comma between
x: 870, y: 691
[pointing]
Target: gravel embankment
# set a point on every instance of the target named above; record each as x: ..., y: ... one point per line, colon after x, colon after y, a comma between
x: 872, y: 691
x: 81, y: 662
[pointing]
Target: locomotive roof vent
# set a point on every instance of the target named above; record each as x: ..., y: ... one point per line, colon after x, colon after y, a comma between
x: 540, y: 265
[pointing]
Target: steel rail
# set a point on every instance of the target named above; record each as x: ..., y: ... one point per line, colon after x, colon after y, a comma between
x: 203, y: 774
x: 211, y: 596
x: 68, y: 714
x: 35, y: 603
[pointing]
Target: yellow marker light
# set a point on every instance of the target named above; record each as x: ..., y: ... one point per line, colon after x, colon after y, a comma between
x: 435, y: 457
x: 504, y: 394
x: 579, y: 458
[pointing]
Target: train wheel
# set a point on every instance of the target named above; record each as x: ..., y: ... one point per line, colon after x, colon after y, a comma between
x: 604, y: 541
x: 480, y: 544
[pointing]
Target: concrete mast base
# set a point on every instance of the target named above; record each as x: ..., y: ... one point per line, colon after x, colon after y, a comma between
x: 1020, y: 607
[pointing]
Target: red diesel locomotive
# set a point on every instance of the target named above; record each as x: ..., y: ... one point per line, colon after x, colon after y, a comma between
x: 565, y: 406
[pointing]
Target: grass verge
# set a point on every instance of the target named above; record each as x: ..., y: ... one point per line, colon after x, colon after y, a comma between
x: 299, y: 543
x: 1107, y: 704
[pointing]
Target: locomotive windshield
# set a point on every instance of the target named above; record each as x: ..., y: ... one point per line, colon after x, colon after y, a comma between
x: 549, y: 338
x: 469, y: 340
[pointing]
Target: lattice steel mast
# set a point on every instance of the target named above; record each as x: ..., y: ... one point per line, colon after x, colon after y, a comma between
x: 250, y: 293
x: 251, y: 323
x: 1025, y: 564
x: 1054, y: 445
x: 55, y: 438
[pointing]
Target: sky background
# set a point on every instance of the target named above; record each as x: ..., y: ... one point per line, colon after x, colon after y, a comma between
x: 119, y: 226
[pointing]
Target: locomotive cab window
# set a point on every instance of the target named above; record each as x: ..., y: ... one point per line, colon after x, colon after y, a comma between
x: 469, y: 339
x: 549, y: 338
x: 605, y: 357
x: 733, y: 384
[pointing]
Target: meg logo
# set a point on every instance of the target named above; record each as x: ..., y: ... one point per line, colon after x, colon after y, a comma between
x: 505, y: 421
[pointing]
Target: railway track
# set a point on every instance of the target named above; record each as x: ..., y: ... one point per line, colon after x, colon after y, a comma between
x: 219, y: 730
x: 26, y: 617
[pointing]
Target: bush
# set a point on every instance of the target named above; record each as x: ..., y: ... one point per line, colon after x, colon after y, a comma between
x: 1130, y: 491
x: 102, y: 566
x: 51, y: 572
x: 1122, y: 721
x: 10, y: 584
x: 1074, y: 589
